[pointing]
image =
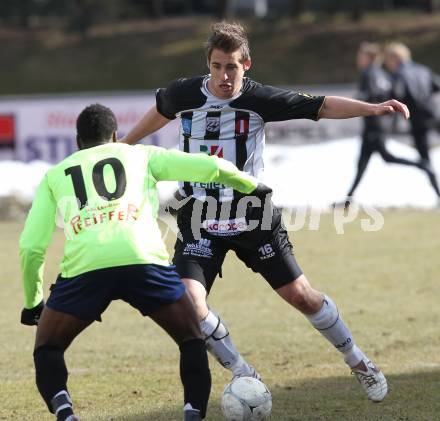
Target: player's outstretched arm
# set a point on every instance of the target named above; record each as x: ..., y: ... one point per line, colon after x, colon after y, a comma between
x: 341, y: 107
x: 170, y: 164
x: 150, y: 122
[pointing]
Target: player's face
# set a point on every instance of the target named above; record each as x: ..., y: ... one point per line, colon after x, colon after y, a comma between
x: 227, y: 71
x: 363, y: 60
x: 391, y: 63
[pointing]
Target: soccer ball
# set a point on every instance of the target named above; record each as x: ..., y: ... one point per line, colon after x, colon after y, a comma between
x: 246, y: 399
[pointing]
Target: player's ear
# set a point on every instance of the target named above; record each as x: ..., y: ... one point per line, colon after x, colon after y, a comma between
x: 247, y: 65
x: 79, y: 142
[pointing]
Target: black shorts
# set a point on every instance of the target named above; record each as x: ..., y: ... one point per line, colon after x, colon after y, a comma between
x: 265, y: 251
x: 145, y: 287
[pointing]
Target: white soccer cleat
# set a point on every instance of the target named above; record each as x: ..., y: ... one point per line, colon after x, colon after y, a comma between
x: 371, y: 379
x: 246, y: 371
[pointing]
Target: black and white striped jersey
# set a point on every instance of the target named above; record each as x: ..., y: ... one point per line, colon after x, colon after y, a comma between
x: 230, y: 128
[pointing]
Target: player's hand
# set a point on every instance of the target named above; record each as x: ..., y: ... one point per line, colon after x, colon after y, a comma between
x: 392, y: 106
x: 31, y: 316
x: 261, y: 191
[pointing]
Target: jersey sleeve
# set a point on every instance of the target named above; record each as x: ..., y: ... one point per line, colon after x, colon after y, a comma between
x: 34, y: 241
x: 180, y: 166
x: 276, y: 104
x: 181, y: 94
x: 165, y: 101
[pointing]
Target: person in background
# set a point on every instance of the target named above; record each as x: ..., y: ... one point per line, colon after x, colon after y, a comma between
x: 374, y: 86
x: 415, y: 84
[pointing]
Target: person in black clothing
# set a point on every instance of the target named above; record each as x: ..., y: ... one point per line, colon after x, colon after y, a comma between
x: 415, y: 84
x: 374, y: 86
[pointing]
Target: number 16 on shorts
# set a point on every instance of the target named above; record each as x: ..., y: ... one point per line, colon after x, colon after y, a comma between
x: 266, y: 251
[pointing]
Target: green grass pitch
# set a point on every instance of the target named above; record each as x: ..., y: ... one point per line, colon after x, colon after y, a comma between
x: 386, y: 284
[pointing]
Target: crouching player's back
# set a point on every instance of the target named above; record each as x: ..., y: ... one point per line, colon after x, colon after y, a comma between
x: 107, y: 204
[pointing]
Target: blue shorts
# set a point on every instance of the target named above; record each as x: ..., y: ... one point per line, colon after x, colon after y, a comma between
x: 145, y: 287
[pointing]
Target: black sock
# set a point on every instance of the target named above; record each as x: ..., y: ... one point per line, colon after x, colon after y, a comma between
x: 195, y: 374
x: 50, y: 372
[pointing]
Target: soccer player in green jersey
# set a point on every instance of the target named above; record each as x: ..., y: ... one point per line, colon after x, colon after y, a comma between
x: 106, y: 196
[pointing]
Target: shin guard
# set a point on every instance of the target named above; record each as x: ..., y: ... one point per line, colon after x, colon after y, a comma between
x: 329, y: 323
x: 219, y: 342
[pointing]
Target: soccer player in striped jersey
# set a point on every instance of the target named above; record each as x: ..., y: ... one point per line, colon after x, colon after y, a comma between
x: 106, y: 195
x: 224, y: 114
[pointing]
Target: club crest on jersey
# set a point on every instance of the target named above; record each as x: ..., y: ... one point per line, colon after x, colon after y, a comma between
x: 212, y: 150
x: 186, y: 125
x: 242, y: 126
x: 212, y: 124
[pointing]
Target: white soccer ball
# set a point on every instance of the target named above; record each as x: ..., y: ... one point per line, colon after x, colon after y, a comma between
x: 246, y: 399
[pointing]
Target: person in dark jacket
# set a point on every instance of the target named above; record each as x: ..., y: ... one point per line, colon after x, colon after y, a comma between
x: 415, y: 84
x: 374, y: 86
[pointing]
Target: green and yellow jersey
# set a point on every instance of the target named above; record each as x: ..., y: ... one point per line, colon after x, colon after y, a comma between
x: 105, y: 199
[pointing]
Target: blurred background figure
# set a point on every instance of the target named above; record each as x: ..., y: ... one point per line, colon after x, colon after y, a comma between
x: 415, y: 85
x: 374, y: 86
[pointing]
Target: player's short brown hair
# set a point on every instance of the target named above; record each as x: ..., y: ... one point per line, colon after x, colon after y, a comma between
x: 228, y: 37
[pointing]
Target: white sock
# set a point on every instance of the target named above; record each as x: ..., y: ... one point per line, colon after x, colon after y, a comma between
x: 219, y: 344
x: 353, y: 356
x: 188, y: 407
x: 330, y: 324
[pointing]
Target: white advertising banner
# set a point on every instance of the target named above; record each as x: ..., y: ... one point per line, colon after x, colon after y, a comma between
x: 44, y: 128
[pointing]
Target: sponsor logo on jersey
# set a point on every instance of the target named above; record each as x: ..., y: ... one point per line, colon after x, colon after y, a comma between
x: 212, y: 150
x: 305, y: 95
x: 7, y: 130
x: 201, y: 248
x: 96, y: 217
x: 217, y: 107
x: 225, y: 227
x: 212, y: 124
x: 209, y: 186
x: 186, y: 125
